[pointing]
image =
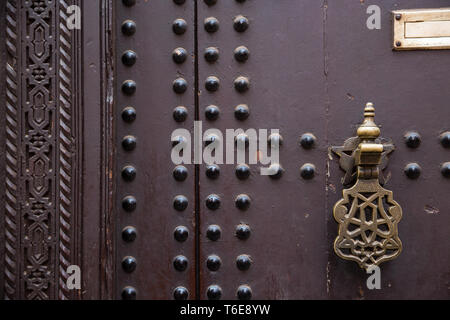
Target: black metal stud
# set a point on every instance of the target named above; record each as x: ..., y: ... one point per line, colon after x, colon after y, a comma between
x: 180, y: 173
x: 129, y: 27
x: 241, y: 112
x: 129, y: 234
x: 177, y: 140
x: 212, y: 112
x: 129, y: 58
x: 129, y: 173
x: 275, y: 140
x: 213, y: 263
x: 243, y: 262
x: 277, y: 171
x: 179, y: 55
x: 129, y: 87
x: 213, y: 232
x: 241, y: 54
x: 241, y: 23
x: 180, y: 203
x: 211, y: 25
x: 214, y: 292
x: 243, y: 232
x: 179, y: 26
x: 213, y: 202
x: 179, y: 2
x: 413, y: 139
x: 210, y: 2
x: 129, y: 203
x: 180, y: 294
x: 211, y: 54
x: 129, y: 293
x: 210, y: 139
x: 129, y: 3
x: 129, y: 264
x: 308, y: 171
x: 242, y: 84
x: 242, y: 140
x: 243, y: 202
x: 129, y: 114
x: 212, y: 84
x: 244, y: 292
x: 180, y: 114
x: 413, y: 170
x: 242, y: 172
x: 180, y: 85
x: 180, y: 263
x: 445, y: 139
x: 213, y: 171
x: 445, y: 169
x: 181, y: 234
x: 307, y: 140
x: 240, y: 1
x: 129, y: 143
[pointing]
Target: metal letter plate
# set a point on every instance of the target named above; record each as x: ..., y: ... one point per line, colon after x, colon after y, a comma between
x: 423, y: 29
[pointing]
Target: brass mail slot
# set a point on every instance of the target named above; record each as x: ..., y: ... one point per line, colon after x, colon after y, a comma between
x: 424, y: 29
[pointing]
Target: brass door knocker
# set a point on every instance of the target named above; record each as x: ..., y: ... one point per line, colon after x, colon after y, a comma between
x: 367, y: 215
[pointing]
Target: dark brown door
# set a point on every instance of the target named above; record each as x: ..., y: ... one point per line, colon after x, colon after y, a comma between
x: 141, y: 226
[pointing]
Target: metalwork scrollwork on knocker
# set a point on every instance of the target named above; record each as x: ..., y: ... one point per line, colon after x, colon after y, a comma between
x: 367, y: 214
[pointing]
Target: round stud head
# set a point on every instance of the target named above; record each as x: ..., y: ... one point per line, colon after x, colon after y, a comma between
x: 129, y: 58
x: 214, y: 292
x: 275, y: 140
x: 242, y: 112
x: 210, y: 2
x: 129, y: 143
x: 445, y: 169
x: 276, y: 171
x: 244, y: 292
x: 211, y: 25
x: 242, y: 140
x: 213, y: 263
x: 180, y: 203
x: 178, y: 140
x: 211, y: 54
x: 129, y: 173
x: 129, y: 264
x: 413, y: 170
x: 129, y: 234
x: 211, y: 139
x: 243, y: 232
x: 180, y: 263
x: 179, y: 55
x: 181, y: 234
x: 243, y: 202
x: 213, y: 232
x: 129, y: 3
x: 241, y: 23
x: 307, y: 171
x: 242, y: 172
x: 129, y: 87
x: 212, y: 112
x: 129, y: 203
x: 212, y: 84
x: 242, y: 84
x: 180, y: 294
x: 243, y: 262
x: 129, y: 27
x: 445, y: 139
x: 180, y: 173
x: 413, y: 139
x: 180, y: 114
x: 241, y: 54
x: 307, y: 140
x: 179, y: 26
x: 213, y: 202
x: 179, y: 2
x: 129, y: 293
x: 213, y: 171
x: 180, y: 85
x: 129, y: 114
x: 240, y: 1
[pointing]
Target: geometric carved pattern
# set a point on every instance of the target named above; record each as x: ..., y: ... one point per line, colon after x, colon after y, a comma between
x: 368, y: 217
x: 41, y: 144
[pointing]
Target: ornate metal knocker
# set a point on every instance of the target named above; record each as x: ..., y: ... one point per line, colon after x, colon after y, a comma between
x: 367, y: 214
